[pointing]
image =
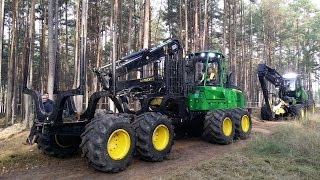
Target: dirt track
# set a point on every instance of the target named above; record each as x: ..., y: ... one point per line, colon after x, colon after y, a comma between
x: 185, y: 153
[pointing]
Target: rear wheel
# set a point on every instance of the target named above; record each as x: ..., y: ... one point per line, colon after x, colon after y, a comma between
x: 154, y: 134
x: 293, y: 111
x: 219, y: 127
x: 312, y: 108
x: 243, y: 124
x: 265, y: 113
x: 58, y: 145
x: 108, y: 143
x: 301, y: 111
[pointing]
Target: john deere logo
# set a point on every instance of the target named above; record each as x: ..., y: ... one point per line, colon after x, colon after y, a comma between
x: 147, y: 79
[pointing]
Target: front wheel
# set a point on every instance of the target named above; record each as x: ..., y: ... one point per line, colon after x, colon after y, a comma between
x: 219, y: 127
x: 108, y: 143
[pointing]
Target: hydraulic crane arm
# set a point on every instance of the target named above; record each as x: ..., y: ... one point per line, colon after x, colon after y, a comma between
x: 271, y: 75
x: 136, y: 60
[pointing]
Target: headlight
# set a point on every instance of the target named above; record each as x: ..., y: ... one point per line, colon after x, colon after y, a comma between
x: 212, y: 55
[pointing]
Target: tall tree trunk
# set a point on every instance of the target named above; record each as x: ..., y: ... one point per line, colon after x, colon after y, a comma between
x: 76, y: 46
x: 146, y: 24
x: 146, y: 33
x: 120, y: 30
x: 280, y: 49
x: 76, y: 78
x: 135, y: 28
x: 66, y: 63
x: 146, y: 28
x: 264, y: 38
x: 150, y: 22
x: 25, y: 48
x: 27, y: 98
x: 1, y: 36
x: 169, y: 19
x: 224, y: 25
x: 11, y: 61
x: 298, y: 48
x: 180, y: 21
x: 186, y: 25
x: 242, y: 70
x: 196, y: 27
x: 43, y: 52
x: 51, y: 50
x: 111, y: 105
x: 140, y: 45
x: 251, y: 53
x: 57, y: 79
x: 205, y: 26
x: 129, y: 27
x: 114, y: 45
x: 230, y: 34
x: 234, y: 42
x: 308, y: 63
x: 96, y: 42
x: 83, y: 50
x: 111, y: 29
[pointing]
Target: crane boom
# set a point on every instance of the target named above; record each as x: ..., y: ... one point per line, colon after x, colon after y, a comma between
x: 137, y: 60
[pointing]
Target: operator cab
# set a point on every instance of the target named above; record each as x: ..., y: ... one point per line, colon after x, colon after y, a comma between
x: 292, y: 82
x: 207, y: 67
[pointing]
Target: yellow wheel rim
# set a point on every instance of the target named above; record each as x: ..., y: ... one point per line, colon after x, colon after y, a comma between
x: 118, y: 144
x: 302, y: 112
x: 227, y: 126
x: 245, y: 123
x: 160, y: 137
x: 313, y: 109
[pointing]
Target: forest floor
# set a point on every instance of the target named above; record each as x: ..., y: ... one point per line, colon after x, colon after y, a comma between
x: 190, y: 158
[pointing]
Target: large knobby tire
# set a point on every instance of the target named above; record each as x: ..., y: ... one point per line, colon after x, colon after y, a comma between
x: 292, y: 111
x: 108, y: 142
x: 243, y: 123
x: 219, y: 127
x: 312, y: 107
x: 301, y: 111
x: 154, y: 134
x: 58, y: 145
x: 265, y: 114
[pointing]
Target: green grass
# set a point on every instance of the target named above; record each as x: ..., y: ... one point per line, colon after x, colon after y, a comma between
x: 291, y: 152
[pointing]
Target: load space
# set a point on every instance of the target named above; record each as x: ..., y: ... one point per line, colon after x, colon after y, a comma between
x: 179, y: 96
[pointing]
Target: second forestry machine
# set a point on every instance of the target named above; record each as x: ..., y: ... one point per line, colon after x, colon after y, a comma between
x: 180, y: 96
x: 291, y: 100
